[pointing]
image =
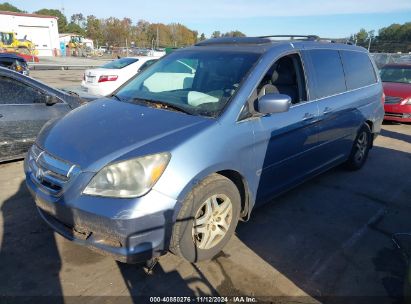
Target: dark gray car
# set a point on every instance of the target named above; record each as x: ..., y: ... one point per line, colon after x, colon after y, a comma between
x: 25, y: 106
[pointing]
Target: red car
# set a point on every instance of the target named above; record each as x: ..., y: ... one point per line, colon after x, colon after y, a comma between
x: 396, y: 79
x: 27, y: 57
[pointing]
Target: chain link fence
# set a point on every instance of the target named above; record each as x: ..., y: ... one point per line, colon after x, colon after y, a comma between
x: 382, y: 59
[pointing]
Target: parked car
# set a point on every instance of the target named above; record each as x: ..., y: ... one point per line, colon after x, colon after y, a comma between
x: 175, y: 159
x: 14, y: 62
x: 106, y: 79
x: 25, y: 106
x: 396, y: 79
x: 27, y: 56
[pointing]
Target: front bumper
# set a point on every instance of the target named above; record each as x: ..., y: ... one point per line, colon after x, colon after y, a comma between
x: 397, y: 112
x: 129, y: 230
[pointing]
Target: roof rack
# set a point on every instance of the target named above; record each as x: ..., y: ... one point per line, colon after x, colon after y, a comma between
x: 294, y: 37
x: 234, y: 40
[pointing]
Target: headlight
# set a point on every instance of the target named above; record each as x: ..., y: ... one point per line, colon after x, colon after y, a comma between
x: 406, y: 101
x: 130, y: 178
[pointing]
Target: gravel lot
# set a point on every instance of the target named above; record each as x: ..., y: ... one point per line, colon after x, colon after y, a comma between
x: 330, y: 237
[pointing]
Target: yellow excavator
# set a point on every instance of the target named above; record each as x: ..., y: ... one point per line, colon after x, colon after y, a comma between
x: 9, y: 42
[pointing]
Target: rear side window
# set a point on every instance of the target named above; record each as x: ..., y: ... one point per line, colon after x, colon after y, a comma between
x: 328, y: 73
x: 359, y: 71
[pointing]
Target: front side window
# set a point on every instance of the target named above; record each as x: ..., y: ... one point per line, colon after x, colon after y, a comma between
x: 119, y: 63
x: 328, y: 72
x: 198, y: 82
x: 15, y: 92
x: 399, y: 74
x: 359, y: 71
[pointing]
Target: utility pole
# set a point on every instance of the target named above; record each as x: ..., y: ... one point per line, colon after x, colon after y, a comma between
x: 157, y: 38
x: 369, y: 43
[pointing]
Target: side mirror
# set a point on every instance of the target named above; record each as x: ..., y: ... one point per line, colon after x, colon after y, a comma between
x: 273, y: 103
x: 50, y: 100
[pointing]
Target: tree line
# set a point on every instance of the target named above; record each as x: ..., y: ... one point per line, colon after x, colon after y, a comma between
x: 390, y: 39
x: 118, y: 32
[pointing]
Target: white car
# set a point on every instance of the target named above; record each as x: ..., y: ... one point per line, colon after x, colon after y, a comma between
x: 106, y: 79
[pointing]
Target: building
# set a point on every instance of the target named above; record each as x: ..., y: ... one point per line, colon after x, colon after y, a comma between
x: 41, y: 30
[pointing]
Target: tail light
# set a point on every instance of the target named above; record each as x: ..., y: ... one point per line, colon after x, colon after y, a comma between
x: 105, y: 78
x: 383, y: 98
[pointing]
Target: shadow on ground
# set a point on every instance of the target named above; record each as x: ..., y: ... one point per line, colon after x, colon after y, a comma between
x: 330, y: 237
x: 29, y: 260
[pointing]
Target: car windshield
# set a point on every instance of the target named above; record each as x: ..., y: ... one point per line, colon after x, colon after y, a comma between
x: 197, y: 82
x: 119, y: 63
x: 399, y: 74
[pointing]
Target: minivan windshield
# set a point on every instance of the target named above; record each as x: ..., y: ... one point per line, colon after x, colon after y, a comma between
x: 195, y: 82
x: 400, y: 74
x: 119, y: 63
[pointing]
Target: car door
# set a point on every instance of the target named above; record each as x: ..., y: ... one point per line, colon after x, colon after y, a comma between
x: 23, y: 112
x: 285, y: 144
x: 338, y: 115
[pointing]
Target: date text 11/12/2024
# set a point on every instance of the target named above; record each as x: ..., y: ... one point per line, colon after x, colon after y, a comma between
x: 204, y: 299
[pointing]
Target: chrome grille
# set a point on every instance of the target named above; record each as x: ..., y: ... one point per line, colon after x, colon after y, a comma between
x: 392, y: 99
x: 48, y: 172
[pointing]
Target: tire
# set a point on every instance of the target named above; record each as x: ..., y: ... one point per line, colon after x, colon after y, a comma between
x: 198, y: 233
x: 360, y: 149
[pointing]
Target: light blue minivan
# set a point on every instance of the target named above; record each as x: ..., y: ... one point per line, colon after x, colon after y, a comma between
x: 190, y: 146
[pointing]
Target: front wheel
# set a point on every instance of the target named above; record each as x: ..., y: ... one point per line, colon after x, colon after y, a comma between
x: 360, y: 149
x: 207, y: 219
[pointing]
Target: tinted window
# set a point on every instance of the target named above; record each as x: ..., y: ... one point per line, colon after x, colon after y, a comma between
x: 120, y: 63
x: 358, y: 69
x: 6, y: 62
x: 15, y: 92
x: 11, y: 62
x: 328, y: 72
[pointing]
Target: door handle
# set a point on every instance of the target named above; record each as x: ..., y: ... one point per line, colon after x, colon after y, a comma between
x: 308, y: 116
x: 327, y: 110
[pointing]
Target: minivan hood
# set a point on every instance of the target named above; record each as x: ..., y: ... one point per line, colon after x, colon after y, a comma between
x: 104, y: 130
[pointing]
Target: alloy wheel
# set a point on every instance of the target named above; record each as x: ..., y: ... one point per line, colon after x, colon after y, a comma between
x: 362, y: 146
x: 212, y: 221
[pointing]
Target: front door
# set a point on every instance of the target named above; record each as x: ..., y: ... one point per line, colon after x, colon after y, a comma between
x: 23, y: 113
x: 286, y: 142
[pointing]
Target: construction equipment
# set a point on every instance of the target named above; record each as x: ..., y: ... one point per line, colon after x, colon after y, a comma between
x: 77, y: 46
x: 9, y: 42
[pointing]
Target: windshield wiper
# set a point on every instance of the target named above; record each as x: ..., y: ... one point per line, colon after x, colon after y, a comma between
x: 164, y: 105
x: 116, y: 97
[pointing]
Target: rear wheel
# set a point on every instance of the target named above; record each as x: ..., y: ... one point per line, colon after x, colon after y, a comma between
x: 360, y: 149
x: 207, y: 219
